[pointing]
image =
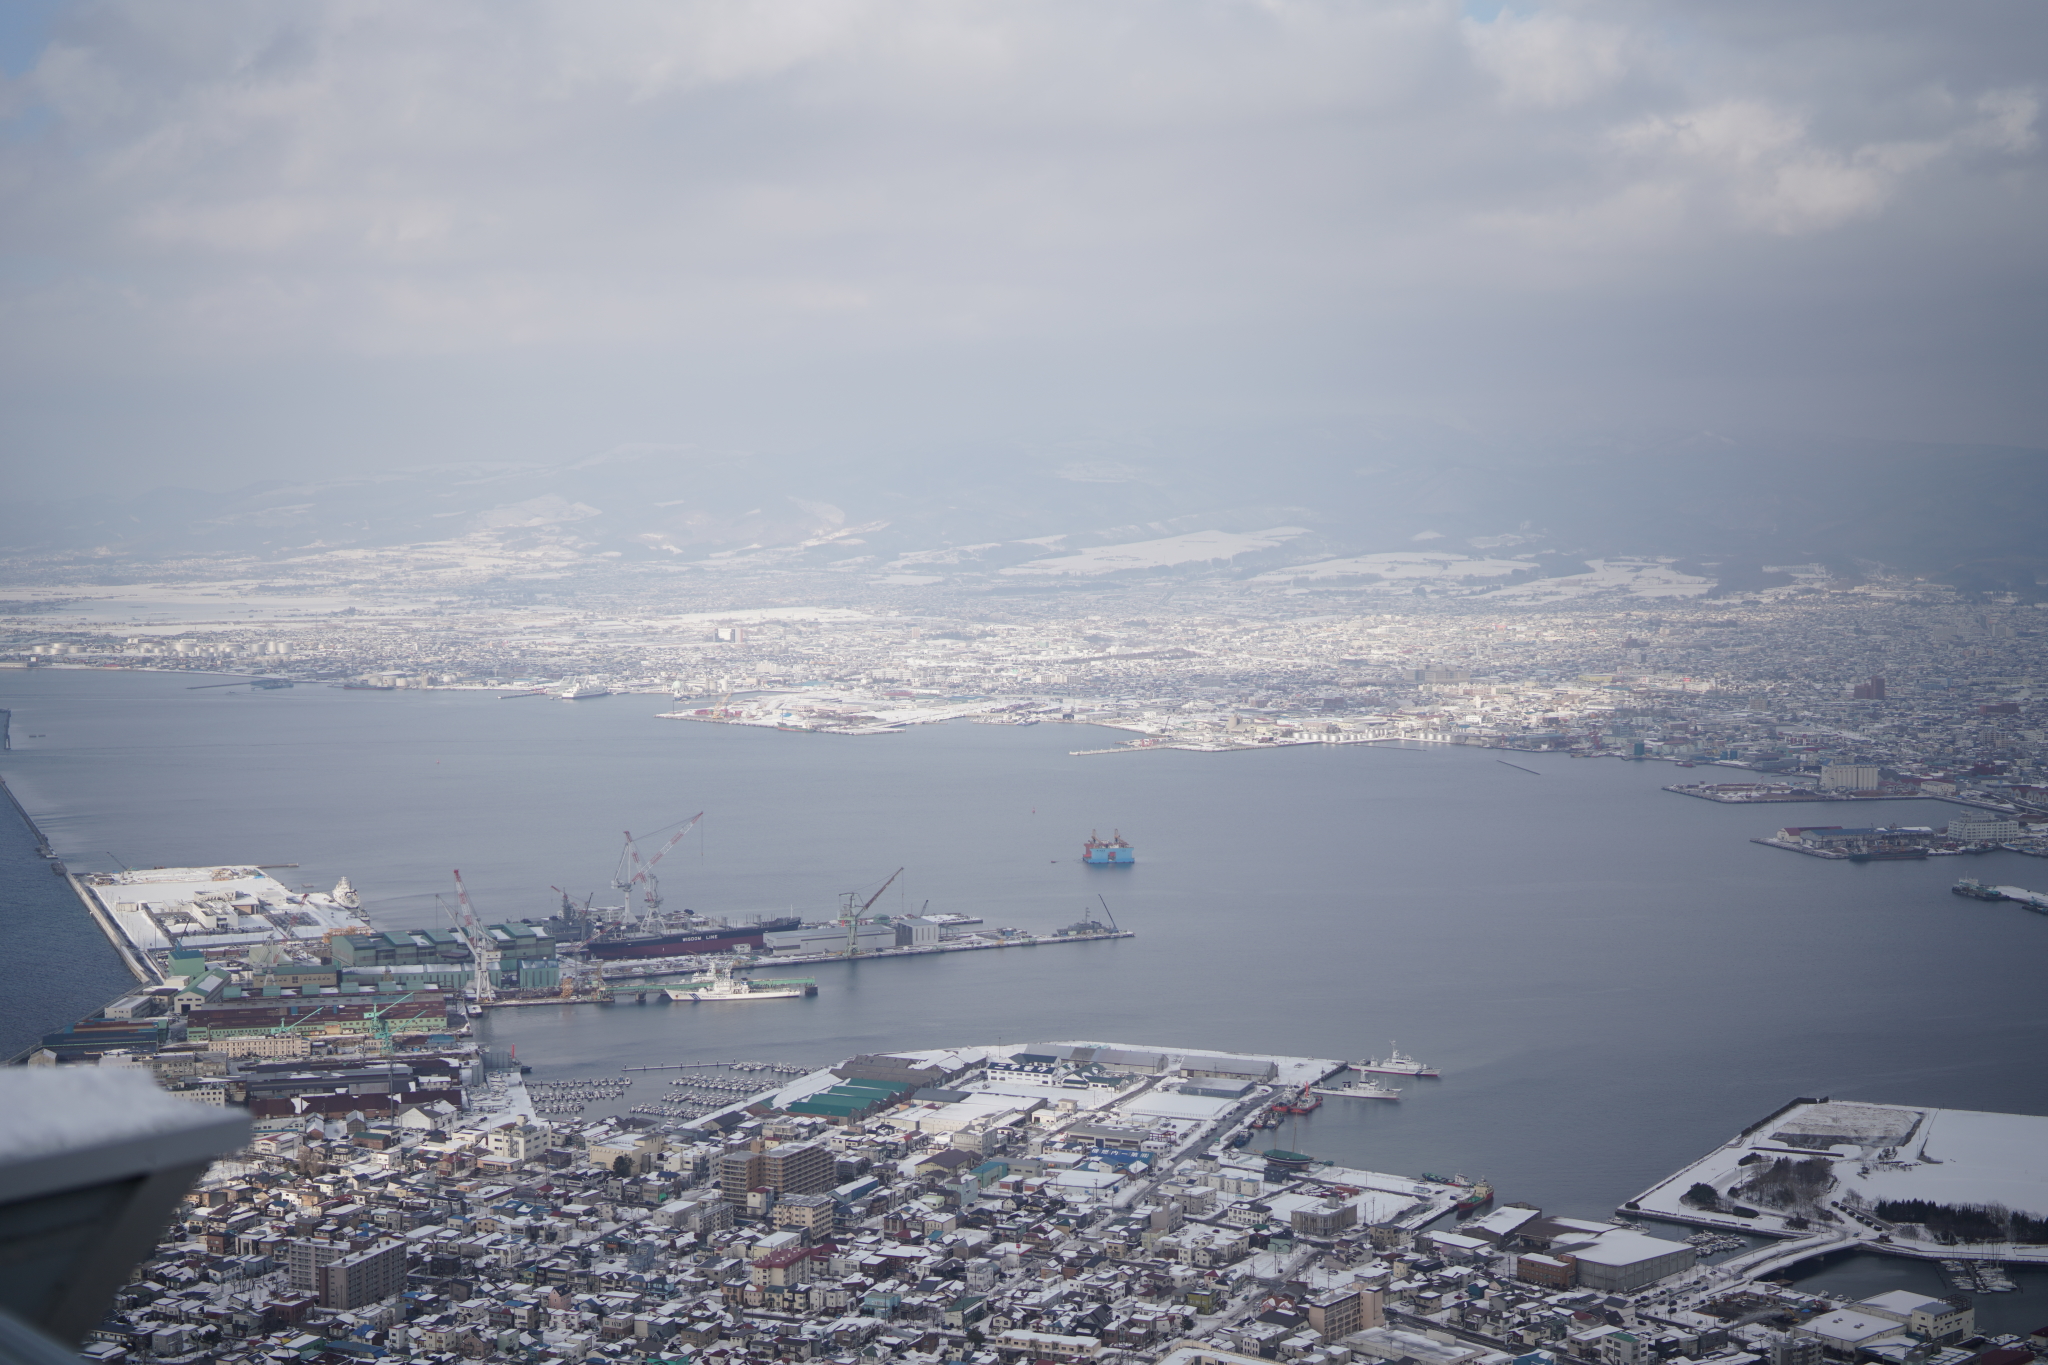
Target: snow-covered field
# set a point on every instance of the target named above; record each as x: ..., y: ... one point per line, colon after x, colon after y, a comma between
x: 1633, y: 577
x: 1405, y: 566
x: 1196, y: 547
x: 1874, y: 1154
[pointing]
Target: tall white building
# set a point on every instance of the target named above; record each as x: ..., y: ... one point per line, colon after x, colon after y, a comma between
x: 1849, y: 777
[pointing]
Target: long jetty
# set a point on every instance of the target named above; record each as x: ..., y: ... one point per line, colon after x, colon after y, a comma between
x: 43, y: 849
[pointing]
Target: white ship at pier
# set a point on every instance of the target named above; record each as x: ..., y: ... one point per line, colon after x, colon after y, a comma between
x: 1395, y: 1063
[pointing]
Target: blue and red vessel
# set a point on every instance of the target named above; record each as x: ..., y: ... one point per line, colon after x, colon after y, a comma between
x: 1110, y: 852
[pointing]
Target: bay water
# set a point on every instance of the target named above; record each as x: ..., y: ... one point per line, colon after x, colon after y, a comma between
x: 1611, y: 977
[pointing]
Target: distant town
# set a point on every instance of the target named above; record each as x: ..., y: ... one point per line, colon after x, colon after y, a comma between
x: 1815, y: 687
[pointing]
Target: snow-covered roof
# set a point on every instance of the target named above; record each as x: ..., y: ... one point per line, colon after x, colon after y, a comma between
x: 1905, y: 1301
x: 1158, y: 1104
x: 1851, y: 1327
x: 1626, y: 1246
x: 1502, y: 1220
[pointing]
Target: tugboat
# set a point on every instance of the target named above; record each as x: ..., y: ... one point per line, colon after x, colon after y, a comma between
x: 1304, y: 1101
x: 1111, y: 852
x: 1395, y: 1064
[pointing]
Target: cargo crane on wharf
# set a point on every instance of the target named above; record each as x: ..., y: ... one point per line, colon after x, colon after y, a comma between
x: 651, y: 932
x: 642, y: 874
x: 853, y: 915
x: 479, y: 942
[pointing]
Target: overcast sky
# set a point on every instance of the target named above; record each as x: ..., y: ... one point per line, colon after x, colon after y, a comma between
x: 247, y: 239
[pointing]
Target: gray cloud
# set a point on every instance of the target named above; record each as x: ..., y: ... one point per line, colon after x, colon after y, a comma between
x: 253, y: 237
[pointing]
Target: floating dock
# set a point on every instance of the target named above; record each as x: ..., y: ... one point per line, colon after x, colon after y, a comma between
x: 2019, y: 895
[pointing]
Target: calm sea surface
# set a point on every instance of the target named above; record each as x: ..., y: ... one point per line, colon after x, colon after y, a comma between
x: 1610, y: 976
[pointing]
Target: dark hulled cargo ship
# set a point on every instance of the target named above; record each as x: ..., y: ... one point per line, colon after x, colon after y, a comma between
x: 701, y: 936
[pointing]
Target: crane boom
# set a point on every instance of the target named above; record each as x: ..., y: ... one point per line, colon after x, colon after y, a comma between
x: 468, y: 916
x: 643, y: 869
x: 473, y: 930
x: 853, y: 916
x: 878, y: 892
x: 675, y: 839
x: 640, y: 872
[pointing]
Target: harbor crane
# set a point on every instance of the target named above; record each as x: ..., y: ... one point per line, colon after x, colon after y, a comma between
x: 643, y: 873
x: 853, y: 915
x: 577, y: 917
x: 473, y: 930
x: 380, y: 1025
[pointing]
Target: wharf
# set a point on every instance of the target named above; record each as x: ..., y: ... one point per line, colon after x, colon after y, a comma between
x: 138, y: 963
x: 1757, y: 794
x: 1792, y: 846
x: 635, y: 985
x: 171, y: 907
x: 1203, y: 746
x: 975, y: 945
x: 43, y: 849
x: 2018, y: 895
x: 765, y: 724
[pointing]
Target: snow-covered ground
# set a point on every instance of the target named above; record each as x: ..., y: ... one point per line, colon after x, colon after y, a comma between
x: 1404, y: 566
x: 823, y: 708
x: 1633, y: 577
x: 143, y: 901
x: 1874, y: 1154
x: 1196, y: 547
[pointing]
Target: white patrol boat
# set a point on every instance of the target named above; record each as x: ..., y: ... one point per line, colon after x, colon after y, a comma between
x: 723, y: 985
x: 1395, y: 1064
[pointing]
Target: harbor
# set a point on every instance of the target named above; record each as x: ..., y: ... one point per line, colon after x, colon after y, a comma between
x: 1234, y: 891
x: 233, y: 936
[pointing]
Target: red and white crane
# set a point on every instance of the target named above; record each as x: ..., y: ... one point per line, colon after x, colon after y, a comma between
x: 479, y: 941
x: 642, y: 873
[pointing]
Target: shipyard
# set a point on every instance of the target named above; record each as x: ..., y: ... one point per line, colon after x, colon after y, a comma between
x: 234, y: 952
